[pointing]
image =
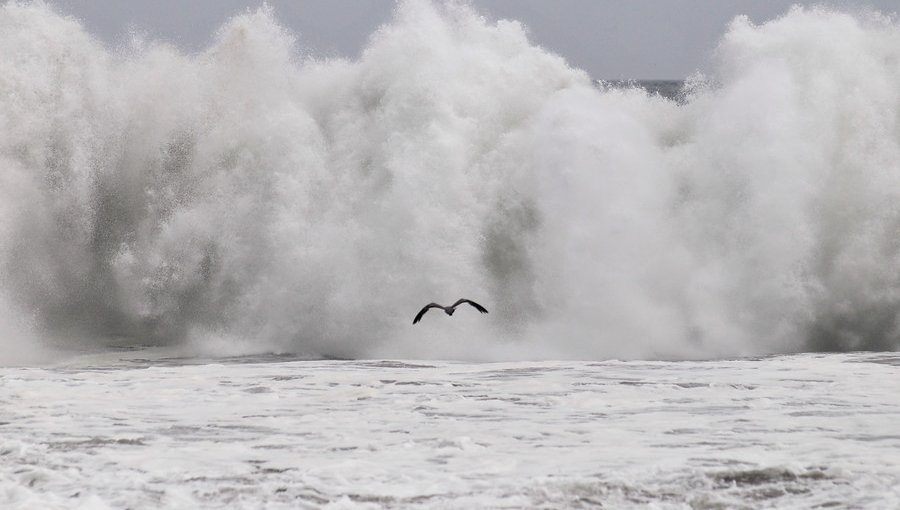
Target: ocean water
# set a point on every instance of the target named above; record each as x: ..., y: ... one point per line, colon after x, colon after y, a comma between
x: 206, y: 258
x: 788, y: 432
x: 673, y: 90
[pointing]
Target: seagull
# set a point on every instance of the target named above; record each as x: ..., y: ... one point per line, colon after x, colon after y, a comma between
x: 448, y: 309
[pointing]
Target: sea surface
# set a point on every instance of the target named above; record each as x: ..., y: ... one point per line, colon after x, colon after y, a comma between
x: 168, y: 216
x: 801, y: 431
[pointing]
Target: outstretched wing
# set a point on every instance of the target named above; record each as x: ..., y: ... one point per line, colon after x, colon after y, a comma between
x: 425, y: 309
x: 473, y: 303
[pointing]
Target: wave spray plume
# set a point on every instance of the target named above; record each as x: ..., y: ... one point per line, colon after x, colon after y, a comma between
x: 249, y: 198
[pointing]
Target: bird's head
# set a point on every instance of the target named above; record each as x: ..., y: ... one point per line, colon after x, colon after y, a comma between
x: 449, y: 311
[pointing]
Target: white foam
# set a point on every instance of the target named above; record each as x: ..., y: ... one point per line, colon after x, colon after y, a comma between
x: 794, y: 432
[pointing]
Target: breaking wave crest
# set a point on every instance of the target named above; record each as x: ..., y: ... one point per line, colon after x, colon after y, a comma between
x: 249, y: 198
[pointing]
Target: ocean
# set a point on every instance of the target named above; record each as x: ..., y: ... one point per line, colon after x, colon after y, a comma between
x: 210, y: 262
x: 124, y: 431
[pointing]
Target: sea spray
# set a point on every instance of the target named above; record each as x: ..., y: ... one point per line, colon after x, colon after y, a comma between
x: 249, y: 198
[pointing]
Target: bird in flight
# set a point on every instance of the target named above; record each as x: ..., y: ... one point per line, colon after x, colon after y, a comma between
x: 448, y: 309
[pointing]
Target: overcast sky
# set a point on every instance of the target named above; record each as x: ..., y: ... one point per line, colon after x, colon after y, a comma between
x: 611, y: 39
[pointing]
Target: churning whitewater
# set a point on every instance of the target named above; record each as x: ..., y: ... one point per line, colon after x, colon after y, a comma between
x: 251, y: 197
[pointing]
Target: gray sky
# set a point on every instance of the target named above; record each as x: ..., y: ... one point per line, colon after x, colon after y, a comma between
x: 611, y: 39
